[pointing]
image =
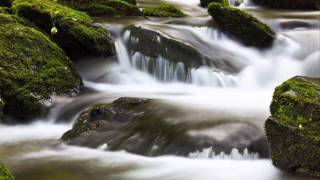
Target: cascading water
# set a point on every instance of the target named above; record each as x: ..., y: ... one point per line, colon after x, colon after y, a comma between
x: 236, y: 85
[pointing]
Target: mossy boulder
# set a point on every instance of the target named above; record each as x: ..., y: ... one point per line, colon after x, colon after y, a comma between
x: 5, y: 174
x: 164, y: 10
x: 205, y: 3
x: 74, y: 31
x: 293, y: 130
x: 289, y: 4
x: 242, y: 26
x: 32, y: 68
x: 108, y: 8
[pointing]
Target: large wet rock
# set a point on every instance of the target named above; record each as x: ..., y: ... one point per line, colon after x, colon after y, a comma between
x: 5, y: 174
x: 188, y: 52
x: 242, y: 26
x: 72, y: 30
x: 293, y: 130
x: 32, y: 68
x: 151, y: 127
x: 289, y: 4
x: 1, y: 108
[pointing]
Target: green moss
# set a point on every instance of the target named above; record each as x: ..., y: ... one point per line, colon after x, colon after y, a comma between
x: 289, y: 4
x: 75, y: 34
x: 297, y: 103
x: 106, y: 7
x: 31, y: 69
x: 205, y: 3
x: 5, y: 174
x: 293, y: 130
x: 164, y: 10
x: 242, y: 26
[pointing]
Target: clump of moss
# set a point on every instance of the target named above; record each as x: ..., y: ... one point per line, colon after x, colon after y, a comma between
x: 32, y: 68
x: 289, y: 4
x: 106, y: 7
x: 242, y: 26
x: 5, y: 174
x: 164, y: 10
x: 205, y: 3
x: 293, y: 129
x: 75, y: 32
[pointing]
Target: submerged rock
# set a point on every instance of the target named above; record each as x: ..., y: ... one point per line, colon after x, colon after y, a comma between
x: 5, y: 174
x: 289, y: 4
x: 164, y: 10
x: 242, y: 26
x: 293, y: 130
x: 31, y: 69
x: 205, y: 3
x: 147, y: 127
x: 106, y: 7
x: 75, y: 32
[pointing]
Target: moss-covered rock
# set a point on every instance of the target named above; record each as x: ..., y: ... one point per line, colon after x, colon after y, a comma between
x: 32, y: 68
x: 289, y: 4
x: 106, y: 7
x: 293, y: 130
x: 205, y: 3
x: 242, y: 26
x: 164, y: 10
x: 5, y: 174
x: 75, y: 32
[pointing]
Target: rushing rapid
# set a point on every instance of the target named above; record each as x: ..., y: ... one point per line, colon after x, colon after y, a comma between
x: 226, y: 81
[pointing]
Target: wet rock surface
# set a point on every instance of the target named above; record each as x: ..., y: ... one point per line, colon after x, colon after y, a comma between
x: 143, y: 127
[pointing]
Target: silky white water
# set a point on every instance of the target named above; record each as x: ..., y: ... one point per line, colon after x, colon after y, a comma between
x: 35, y: 152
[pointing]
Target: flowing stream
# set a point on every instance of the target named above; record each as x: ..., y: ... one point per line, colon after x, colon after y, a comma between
x: 206, y: 75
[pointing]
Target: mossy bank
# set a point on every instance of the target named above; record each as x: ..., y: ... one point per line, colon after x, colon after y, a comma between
x: 32, y: 68
x: 242, y: 26
x: 293, y: 130
x: 72, y: 30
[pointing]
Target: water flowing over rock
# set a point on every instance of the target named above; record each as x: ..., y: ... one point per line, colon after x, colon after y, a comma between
x: 293, y: 130
x: 143, y: 127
